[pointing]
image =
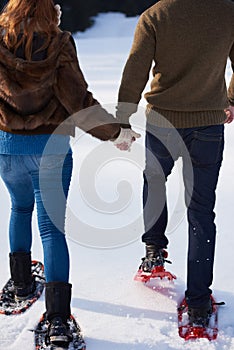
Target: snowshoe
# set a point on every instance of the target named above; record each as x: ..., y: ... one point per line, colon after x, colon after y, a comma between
x: 42, y: 339
x: 10, y: 304
x: 194, y: 325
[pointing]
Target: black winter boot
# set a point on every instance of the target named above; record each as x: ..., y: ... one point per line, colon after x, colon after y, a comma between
x: 200, y: 316
x: 21, y: 274
x: 153, y: 257
x: 58, y: 299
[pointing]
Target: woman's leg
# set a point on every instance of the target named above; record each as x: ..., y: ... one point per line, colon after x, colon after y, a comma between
x: 51, y: 184
x: 19, y: 184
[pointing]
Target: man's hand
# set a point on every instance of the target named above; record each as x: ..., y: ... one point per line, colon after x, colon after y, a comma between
x: 125, y: 139
x: 59, y: 13
x: 230, y: 114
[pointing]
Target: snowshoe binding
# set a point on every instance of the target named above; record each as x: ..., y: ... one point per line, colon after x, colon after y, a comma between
x: 57, y: 336
x: 152, y: 265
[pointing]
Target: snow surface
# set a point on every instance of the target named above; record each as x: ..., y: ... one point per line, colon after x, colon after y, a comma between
x: 104, y: 226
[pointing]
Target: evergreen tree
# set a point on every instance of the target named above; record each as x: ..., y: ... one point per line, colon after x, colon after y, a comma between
x: 77, y: 14
x: 129, y: 7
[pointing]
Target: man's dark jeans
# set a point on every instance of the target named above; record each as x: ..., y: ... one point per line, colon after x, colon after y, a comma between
x: 201, y: 150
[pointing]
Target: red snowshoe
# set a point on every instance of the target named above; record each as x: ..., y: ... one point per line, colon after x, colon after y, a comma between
x: 152, y: 265
x: 208, y: 329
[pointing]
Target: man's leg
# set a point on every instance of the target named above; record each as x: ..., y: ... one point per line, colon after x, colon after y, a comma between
x: 206, y: 149
x: 159, y: 164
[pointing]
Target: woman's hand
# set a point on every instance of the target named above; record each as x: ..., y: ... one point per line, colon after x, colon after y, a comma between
x: 125, y: 139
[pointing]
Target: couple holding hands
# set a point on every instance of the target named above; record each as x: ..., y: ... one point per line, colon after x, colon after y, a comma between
x: 43, y: 94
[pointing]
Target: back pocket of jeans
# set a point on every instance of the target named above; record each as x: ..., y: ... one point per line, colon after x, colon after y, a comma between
x: 206, y: 149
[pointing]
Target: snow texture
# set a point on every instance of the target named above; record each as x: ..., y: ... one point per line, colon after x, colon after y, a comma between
x: 115, y: 312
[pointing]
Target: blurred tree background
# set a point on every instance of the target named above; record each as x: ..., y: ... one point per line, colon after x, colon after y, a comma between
x: 2, y: 3
x: 78, y: 14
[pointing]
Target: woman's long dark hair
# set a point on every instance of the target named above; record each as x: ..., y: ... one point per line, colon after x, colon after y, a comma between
x: 26, y: 17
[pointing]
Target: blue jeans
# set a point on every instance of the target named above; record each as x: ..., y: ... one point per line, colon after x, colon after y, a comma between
x: 201, y: 150
x: 44, y: 180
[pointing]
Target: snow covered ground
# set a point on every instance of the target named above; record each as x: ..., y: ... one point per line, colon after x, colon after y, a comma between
x: 104, y: 227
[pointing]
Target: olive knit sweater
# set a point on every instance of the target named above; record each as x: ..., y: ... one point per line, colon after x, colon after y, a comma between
x: 189, y: 42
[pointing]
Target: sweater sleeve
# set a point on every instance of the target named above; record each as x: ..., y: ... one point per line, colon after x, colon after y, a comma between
x: 136, y: 71
x: 72, y: 91
x: 231, y: 86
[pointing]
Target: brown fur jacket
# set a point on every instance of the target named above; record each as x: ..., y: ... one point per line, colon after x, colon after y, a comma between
x: 38, y: 96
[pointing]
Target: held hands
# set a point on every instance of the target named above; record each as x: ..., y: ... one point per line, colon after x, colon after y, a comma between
x: 230, y: 114
x: 125, y: 139
x: 59, y: 13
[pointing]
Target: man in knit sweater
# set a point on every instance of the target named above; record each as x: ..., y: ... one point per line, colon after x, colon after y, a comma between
x: 189, y: 43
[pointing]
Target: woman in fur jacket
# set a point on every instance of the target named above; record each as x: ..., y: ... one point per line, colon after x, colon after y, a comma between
x: 43, y: 96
